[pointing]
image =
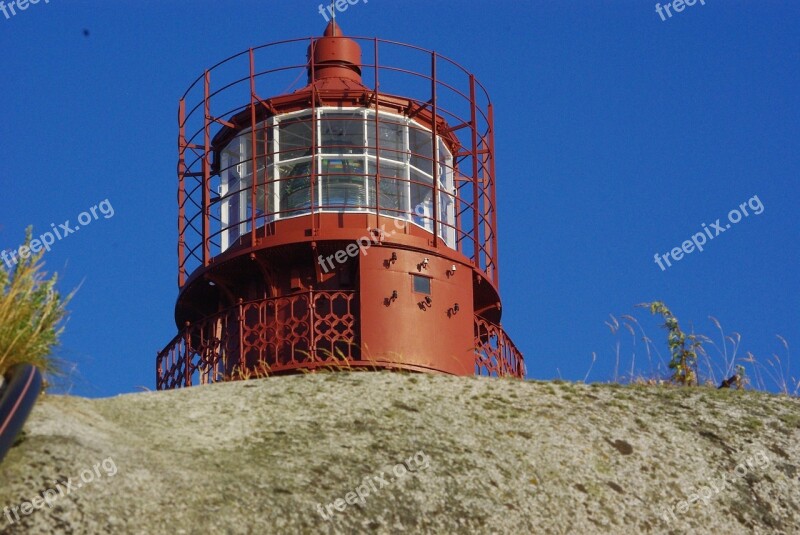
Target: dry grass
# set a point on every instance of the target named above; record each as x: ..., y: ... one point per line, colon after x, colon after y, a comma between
x: 771, y: 374
x: 326, y: 361
x: 31, y: 312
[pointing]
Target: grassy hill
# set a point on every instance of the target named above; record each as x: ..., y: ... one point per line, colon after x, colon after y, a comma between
x: 402, y: 453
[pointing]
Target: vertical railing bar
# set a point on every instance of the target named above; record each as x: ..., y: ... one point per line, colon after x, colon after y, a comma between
x: 475, y: 196
x: 377, y: 142
x: 253, y: 148
x: 240, y: 320
x: 312, y: 332
x: 206, y: 171
x: 492, y: 170
x: 159, y: 368
x: 313, y: 185
x: 488, y: 209
x: 457, y: 212
x: 208, y: 347
x: 181, y: 192
x: 187, y: 343
x: 276, y: 183
x: 269, y: 184
x: 434, y: 151
x: 278, y: 330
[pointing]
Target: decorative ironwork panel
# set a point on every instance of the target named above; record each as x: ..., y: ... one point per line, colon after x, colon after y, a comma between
x: 495, y: 353
x: 263, y: 337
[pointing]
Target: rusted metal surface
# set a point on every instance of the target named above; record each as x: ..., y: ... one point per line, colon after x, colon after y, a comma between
x: 252, y: 292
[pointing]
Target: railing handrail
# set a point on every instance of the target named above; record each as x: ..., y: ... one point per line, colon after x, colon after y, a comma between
x: 456, y: 96
x: 364, y: 64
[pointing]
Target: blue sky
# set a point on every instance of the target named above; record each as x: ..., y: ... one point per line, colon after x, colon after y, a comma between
x: 618, y: 136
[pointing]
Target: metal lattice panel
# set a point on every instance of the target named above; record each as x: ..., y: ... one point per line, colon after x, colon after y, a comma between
x: 262, y: 337
x: 495, y: 353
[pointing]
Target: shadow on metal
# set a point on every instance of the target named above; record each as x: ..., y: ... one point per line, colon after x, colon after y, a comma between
x: 17, y: 397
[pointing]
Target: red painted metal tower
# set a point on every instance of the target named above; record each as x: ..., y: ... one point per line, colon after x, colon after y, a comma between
x: 338, y: 225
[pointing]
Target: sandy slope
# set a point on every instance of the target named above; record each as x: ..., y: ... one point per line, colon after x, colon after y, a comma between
x: 480, y: 456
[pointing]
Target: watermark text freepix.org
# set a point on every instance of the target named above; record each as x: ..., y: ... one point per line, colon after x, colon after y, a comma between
x: 376, y: 236
x: 704, y: 494
x: 62, y: 488
x: 699, y: 240
x: 677, y: 6
x: 46, y: 240
x: 12, y: 6
x: 337, y: 5
x: 418, y: 462
x: 351, y: 251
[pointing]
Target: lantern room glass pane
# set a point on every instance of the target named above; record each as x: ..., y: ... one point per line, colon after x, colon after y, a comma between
x: 422, y: 205
x: 342, y: 132
x: 264, y: 165
x: 230, y: 207
x: 394, y: 197
x: 342, y: 183
x: 294, y: 138
x: 234, y: 187
x: 421, y: 147
x: 391, y: 138
x: 295, y: 187
x: 447, y: 213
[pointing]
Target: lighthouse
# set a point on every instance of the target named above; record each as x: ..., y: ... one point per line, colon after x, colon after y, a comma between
x: 348, y: 221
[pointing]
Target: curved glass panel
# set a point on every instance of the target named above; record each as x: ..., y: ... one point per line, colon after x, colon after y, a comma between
x: 342, y: 183
x: 394, y: 198
x: 294, y: 187
x: 421, y: 147
x: 294, y: 138
x: 392, y: 136
x: 342, y: 132
x: 347, y: 165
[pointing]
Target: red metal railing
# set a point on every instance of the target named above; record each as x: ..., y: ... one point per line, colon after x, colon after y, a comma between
x: 495, y: 353
x: 314, y: 329
x: 305, y: 330
x: 427, y: 79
